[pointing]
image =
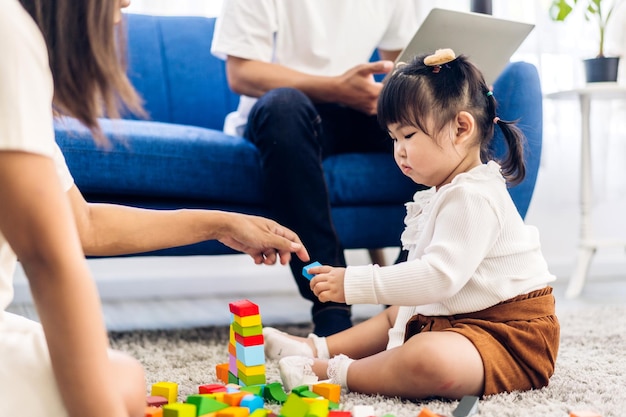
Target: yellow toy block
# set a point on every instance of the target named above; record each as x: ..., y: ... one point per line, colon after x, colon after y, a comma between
x: 247, y: 321
x: 179, y: 410
x: 250, y: 370
x: 317, y: 408
x: 221, y: 372
x: 260, y: 412
x: 168, y: 390
x: 233, y: 412
x: 332, y: 392
x: 152, y: 411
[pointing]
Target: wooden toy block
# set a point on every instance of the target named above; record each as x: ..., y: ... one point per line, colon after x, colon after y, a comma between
x: 327, y: 390
x: 467, y: 406
x: 232, y: 378
x: 254, y: 389
x: 217, y: 396
x: 211, y: 388
x: 316, y: 400
x: 254, y: 340
x: 242, y: 369
x: 152, y: 411
x: 179, y: 410
x: 231, y: 334
x: 232, y: 349
x: 389, y: 415
x: 252, y: 379
x: 156, y: 400
x: 252, y: 402
x: 166, y: 389
x: 260, y: 412
x: 363, y: 411
x: 584, y: 413
x: 305, y: 270
x: 247, y: 321
x: 205, y: 404
x: 317, y: 408
x: 274, y: 392
x: 251, y: 355
x: 233, y: 387
x: 232, y: 364
x: 234, y: 398
x: 247, y: 331
x: 233, y: 412
x: 294, y: 406
x: 304, y: 391
x: 221, y: 372
x: 425, y: 412
x: 339, y: 413
x: 243, y: 308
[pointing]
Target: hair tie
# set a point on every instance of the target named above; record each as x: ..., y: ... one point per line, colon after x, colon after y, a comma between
x: 489, y: 93
x: 439, y: 58
x: 496, y: 120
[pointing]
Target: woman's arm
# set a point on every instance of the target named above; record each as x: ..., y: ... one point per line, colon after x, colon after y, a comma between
x: 108, y: 229
x: 36, y: 220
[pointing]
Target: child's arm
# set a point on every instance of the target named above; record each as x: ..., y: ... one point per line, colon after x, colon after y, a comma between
x: 36, y: 220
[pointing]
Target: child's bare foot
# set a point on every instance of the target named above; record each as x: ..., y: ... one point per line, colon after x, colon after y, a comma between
x: 280, y: 344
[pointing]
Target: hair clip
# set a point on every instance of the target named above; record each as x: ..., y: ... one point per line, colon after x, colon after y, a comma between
x: 439, y: 58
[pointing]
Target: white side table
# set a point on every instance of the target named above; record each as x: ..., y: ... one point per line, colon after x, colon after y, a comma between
x: 588, y: 244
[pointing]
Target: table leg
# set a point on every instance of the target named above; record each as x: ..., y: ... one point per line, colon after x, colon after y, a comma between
x: 586, y: 249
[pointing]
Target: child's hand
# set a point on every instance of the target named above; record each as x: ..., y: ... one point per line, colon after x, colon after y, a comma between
x: 327, y: 283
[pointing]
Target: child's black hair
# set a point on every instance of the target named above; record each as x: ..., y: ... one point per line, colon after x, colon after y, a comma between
x: 415, y: 92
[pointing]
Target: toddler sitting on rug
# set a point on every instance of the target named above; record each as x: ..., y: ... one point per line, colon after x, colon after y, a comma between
x: 471, y: 310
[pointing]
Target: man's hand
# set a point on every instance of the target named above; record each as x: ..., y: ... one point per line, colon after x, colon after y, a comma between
x: 357, y: 88
x: 263, y: 239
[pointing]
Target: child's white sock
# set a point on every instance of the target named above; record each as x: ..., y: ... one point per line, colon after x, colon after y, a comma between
x: 338, y: 370
x: 320, y: 345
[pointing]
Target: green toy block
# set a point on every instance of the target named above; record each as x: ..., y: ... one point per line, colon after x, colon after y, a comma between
x: 274, y: 392
x: 254, y: 389
x: 205, y: 404
x: 304, y: 391
x: 294, y: 406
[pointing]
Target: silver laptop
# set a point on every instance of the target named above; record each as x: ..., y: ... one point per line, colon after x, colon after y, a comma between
x: 488, y: 42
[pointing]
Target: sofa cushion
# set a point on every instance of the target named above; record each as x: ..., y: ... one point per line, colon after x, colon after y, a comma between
x: 152, y: 159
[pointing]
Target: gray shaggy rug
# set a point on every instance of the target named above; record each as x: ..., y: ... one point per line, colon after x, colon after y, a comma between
x: 590, y: 370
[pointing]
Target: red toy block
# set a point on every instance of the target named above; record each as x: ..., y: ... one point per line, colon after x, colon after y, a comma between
x: 211, y: 388
x: 243, y: 308
x: 253, y: 340
x: 155, y: 401
x: 338, y: 413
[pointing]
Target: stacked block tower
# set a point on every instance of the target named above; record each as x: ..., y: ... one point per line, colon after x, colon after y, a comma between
x: 246, y: 351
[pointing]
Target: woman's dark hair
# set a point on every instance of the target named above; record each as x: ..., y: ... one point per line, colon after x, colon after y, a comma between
x: 85, y: 49
x: 415, y: 93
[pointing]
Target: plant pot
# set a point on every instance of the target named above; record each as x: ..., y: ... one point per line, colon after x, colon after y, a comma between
x: 602, y: 69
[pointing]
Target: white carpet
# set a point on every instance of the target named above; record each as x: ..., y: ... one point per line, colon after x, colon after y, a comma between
x: 590, y: 372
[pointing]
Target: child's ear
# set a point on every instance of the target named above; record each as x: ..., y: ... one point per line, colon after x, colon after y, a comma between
x: 465, y: 126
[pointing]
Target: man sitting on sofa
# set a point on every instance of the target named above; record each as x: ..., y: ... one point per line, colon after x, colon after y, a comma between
x: 308, y: 92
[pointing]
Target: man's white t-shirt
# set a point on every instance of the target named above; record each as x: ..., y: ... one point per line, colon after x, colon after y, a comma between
x: 317, y: 37
x: 27, y: 384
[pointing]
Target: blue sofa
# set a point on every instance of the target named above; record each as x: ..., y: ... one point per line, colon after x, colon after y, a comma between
x: 181, y: 158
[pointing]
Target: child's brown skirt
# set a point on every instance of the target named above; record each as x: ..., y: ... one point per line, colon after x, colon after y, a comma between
x: 517, y: 339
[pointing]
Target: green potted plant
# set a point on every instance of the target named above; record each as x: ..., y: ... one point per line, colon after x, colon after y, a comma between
x: 601, y: 68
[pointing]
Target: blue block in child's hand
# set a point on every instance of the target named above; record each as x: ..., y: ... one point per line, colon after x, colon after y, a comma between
x: 305, y: 270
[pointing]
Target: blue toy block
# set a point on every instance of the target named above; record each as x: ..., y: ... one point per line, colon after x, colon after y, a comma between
x: 250, y: 355
x: 305, y: 270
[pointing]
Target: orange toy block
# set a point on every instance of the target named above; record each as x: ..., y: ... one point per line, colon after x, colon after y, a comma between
x: 331, y: 392
x: 584, y: 413
x: 233, y: 412
x: 169, y: 390
x: 425, y: 412
x: 221, y: 371
x: 152, y: 411
x: 243, y: 308
x: 234, y: 398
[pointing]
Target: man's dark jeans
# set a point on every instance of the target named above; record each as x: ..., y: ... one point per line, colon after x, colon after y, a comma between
x: 293, y: 136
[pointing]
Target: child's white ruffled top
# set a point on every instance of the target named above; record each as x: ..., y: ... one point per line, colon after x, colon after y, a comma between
x: 468, y: 248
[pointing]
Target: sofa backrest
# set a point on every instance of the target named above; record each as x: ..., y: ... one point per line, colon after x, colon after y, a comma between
x: 171, y: 66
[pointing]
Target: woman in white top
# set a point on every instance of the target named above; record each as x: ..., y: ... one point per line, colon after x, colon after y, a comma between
x: 471, y: 309
x: 63, y: 54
